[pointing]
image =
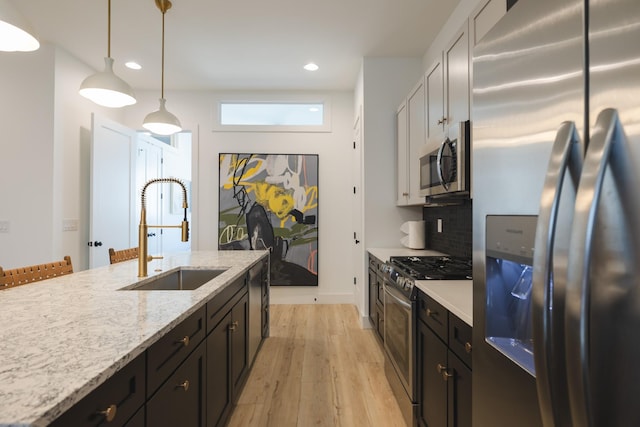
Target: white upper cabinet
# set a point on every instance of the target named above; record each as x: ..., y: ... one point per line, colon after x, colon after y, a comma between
x: 485, y: 17
x: 434, y: 79
x: 457, y: 78
x: 448, y: 86
x: 411, y: 136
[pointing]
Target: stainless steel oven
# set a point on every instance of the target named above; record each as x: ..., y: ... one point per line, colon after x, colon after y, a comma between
x: 445, y: 164
x: 400, y: 349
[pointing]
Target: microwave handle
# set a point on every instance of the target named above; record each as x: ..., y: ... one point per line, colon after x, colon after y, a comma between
x: 439, y: 164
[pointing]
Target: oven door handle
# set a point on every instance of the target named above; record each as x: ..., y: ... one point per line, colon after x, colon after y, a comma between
x: 402, y: 302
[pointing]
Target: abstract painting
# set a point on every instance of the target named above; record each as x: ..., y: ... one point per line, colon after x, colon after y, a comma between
x: 270, y: 201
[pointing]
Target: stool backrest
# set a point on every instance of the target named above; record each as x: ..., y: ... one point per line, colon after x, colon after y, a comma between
x: 34, y: 273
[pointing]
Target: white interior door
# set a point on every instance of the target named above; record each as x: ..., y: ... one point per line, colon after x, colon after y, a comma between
x: 112, y: 194
x: 357, y: 221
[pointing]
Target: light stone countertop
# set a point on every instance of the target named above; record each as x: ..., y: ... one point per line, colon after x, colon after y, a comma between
x: 455, y: 295
x: 63, y: 337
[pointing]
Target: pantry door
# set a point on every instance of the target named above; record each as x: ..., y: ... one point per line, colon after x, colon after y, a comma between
x: 112, y: 193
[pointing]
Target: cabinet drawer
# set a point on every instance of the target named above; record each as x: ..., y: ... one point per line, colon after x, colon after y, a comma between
x: 180, y: 400
x: 137, y: 420
x: 171, y: 350
x: 224, y: 298
x: 460, y: 338
x: 373, y: 262
x: 434, y: 315
x: 122, y: 395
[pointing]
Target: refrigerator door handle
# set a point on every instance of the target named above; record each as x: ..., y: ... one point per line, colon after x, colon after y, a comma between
x: 607, y: 147
x: 565, y: 155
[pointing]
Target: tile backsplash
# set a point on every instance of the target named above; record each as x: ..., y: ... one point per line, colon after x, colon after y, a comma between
x: 456, y: 235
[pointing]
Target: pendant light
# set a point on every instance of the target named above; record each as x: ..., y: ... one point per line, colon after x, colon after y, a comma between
x: 105, y: 88
x: 15, y: 32
x: 161, y: 121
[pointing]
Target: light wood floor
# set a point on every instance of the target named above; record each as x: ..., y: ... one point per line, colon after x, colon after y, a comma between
x: 318, y: 368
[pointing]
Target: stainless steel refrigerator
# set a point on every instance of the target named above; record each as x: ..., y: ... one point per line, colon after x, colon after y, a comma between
x: 556, y: 216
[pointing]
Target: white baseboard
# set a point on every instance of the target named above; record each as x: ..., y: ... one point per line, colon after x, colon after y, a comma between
x: 299, y: 295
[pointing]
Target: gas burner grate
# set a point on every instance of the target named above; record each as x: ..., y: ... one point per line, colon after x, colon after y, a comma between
x: 434, y: 267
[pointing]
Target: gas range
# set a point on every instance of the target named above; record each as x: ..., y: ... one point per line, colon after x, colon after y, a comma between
x: 401, y: 272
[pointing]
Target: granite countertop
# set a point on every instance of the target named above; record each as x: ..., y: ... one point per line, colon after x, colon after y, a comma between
x: 63, y: 337
x: 455, y: 295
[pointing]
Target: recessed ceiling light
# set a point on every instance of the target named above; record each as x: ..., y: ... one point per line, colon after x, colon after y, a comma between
x: 133, y: 65
x: 311, y: 67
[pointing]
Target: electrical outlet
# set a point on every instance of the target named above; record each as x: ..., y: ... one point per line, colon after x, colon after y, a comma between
x: 439, y: 225
x: 4, y: 226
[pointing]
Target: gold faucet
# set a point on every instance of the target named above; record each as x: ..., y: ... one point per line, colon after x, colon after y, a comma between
x: 143, y: 229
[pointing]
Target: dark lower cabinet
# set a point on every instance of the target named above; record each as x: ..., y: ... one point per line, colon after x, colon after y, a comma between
x: 239, y: 337
x: 433, y: 387
x: 191, y: 377
x: 180, y: 401
x: 265, y: 299
x: 227, y: 359
x: 459, y: 392
x: 113, y: 403
x: 376, y: 296
x: 137, y: 420
x: 444, y: 379
x: 218, y: 378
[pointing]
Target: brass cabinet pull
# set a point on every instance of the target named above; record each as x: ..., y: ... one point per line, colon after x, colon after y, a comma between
x: 109, y: 413
x: 184, y: 341
x: 442, y: 121
x: 431, y: 313
x: 184, y: 385
x: 443, y: 370
x: 467, y: 347
x: 233, y: 326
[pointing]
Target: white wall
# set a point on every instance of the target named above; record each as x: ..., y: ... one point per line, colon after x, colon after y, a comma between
x: 26, y: 156
x: 194, y: 109
x: 382, y: 85
x: 43, y: 150
x: 386, y: 83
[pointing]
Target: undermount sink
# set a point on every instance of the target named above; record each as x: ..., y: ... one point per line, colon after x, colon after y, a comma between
x: 182, y: 279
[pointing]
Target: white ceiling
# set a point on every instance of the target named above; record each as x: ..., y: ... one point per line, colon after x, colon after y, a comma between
x: 240, y: 44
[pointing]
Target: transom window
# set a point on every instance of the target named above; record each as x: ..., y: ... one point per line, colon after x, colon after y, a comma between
x: 294, y: 113
x: 271, y: 114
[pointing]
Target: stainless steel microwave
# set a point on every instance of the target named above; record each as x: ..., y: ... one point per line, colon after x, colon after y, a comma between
x: 445, y: 164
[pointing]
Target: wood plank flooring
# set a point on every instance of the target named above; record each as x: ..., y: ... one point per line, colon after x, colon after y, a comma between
x: 318, y: 368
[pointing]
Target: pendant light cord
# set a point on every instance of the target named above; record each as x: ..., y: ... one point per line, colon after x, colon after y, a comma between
x: 109, y: 30
x: 162, y: 73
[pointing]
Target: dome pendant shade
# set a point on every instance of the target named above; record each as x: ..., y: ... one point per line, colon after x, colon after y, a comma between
x: 107, y: 89
x: 162, y: 122
x: 15, y: 32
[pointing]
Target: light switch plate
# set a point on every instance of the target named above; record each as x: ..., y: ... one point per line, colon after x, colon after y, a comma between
x: 69, y: 225
x: 4, y: 226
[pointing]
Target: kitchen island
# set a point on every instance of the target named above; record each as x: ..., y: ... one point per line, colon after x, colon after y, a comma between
x: 64, y: 337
